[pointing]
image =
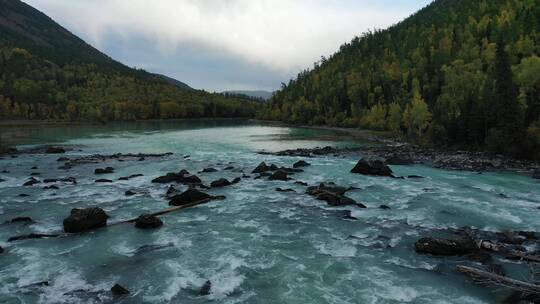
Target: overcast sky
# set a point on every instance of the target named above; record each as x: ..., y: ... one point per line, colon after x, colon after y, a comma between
x: 224, y: 44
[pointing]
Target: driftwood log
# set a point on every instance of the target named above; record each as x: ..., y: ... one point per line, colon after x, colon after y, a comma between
x: 486, y: 277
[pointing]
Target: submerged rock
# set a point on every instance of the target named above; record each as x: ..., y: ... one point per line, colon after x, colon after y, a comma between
x: 51, y: 187
x: 147, y: 221
x: 103, y: 180
x: 384, y: 207
x: 81, y: 220
x: 205, y: 289
x: 209, y: 170
x: 119, y: 290
x: 536, y: 174
x: 21, y: 219
x: 1, y: 249
x: 189, y: 196
x: 130, y: 193
x: 285, y: 190
x: 301, y: 163
x: 372, y: 167
x: 32, y: 236
x: 445, y: 247
x: 107, y: 170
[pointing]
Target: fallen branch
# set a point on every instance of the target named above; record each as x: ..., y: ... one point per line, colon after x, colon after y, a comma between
x: 485, y: 277
x: 172, y: 209
x: 506, y: 250
x: 159, y: 213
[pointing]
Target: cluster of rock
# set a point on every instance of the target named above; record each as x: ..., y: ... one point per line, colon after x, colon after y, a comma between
x: 333, y: 195
x: 276, y: 173
x: 182, y: 177
x: 99, y: 158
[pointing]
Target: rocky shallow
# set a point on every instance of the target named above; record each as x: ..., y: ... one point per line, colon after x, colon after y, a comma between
x: 405, y: 154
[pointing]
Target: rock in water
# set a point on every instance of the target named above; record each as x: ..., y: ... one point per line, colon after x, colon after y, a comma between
x: 373, y: 167
x: 445, y: 247
x: 107, y: 170
x: 1, y: 250
x: 209, y: 170
x: 301, y: 163
x: 130, y: 193
x: 55, y: 150
x: 147, y: 221
x: 536, y: 174
x: 189, y: 196
x: 31, y: 181
x: 205, y: 289
x: 222, y: 182
x: 262, y: 167
x: 119, y: 290
x: 21, y: 219
x: 81, y: 220
x: 279, y: 175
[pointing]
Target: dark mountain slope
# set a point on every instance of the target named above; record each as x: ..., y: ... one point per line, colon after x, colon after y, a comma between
x: 48, y: 73
x: 458, y: 72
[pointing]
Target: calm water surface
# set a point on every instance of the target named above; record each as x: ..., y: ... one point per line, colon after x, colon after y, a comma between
x: 258, y: 245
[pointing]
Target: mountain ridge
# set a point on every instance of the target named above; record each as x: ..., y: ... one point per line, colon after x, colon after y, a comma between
x: 47, y: 72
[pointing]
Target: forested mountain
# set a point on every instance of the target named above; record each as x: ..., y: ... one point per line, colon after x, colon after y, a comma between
x: 46, y: 72
x: 464, y: 73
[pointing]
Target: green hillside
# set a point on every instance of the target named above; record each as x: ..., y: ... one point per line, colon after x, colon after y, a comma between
x: 459, y: 72
x: 48, y: 73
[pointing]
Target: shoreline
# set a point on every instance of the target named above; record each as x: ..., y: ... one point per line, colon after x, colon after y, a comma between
x: 390, y: 147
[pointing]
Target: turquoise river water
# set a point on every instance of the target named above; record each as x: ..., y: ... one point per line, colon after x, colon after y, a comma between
x: 256, y: 246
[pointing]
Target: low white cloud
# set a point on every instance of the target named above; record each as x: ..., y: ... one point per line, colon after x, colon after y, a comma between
x: 284, y: 35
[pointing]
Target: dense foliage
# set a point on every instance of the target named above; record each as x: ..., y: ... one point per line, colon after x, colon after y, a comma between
x: 458, y: 72
x: 48, y: 73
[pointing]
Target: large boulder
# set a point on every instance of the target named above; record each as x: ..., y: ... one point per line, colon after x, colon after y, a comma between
x: 372, y: 167
x: 189, y: 196
x: 147, y: 221
x: 262, y: 167
x: 119, y: 290
x: 446, y: 247
x: 301, y: 163
x: 81, y: 220
x: 279, y: 175
x: 222, y: 182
